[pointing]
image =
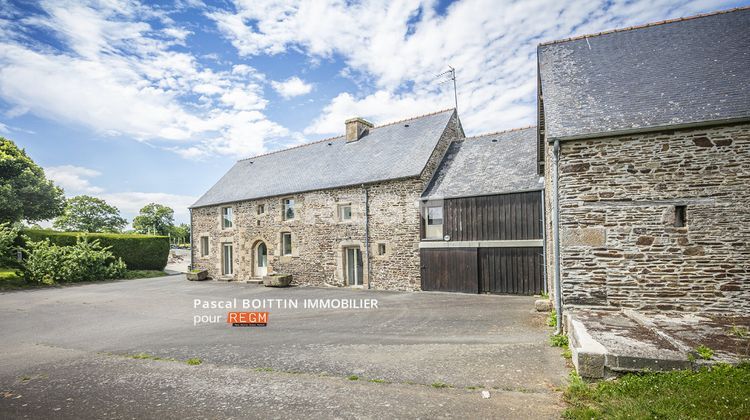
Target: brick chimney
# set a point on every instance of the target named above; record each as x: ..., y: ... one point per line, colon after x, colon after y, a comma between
x: 356, y: 128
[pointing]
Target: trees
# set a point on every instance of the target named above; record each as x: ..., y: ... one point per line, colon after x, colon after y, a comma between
x: 84, y: 213
x: 155, y: 219
x: 25, y: 192
x: 181, y: 233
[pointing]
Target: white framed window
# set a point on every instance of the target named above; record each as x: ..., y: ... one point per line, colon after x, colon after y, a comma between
x: 286, y: 243
x: 287, y: 209
x: 227, y: 266
x: 345, y: 212
x: 433, y: 228
x: 204, y: 246
x: 227, y: 218
x: 261, y: 209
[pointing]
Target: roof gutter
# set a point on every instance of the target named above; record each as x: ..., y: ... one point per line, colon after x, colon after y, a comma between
x: 625, y: 132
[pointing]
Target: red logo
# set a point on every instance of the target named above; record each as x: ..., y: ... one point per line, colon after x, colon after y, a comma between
x: 247, y: 319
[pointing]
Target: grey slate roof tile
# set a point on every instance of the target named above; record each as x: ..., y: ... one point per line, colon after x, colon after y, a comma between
x: 494, y: 163
x: 393, y: 151
x: 681, y: 72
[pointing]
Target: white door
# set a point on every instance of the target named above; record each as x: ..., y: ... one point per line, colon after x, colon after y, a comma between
x: 261, y: 260
x: 353, y: 267
x: 227, y: 263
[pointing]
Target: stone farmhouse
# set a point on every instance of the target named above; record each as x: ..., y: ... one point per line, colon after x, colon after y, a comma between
x: 631, y: 191
x: 342, y: 211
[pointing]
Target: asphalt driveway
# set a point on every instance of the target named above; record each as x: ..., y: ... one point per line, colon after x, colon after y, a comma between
x: 67, y: 352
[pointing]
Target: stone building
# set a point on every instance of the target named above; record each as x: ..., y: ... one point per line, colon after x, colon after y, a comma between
x: 340, y: 211
x: 644, y: 138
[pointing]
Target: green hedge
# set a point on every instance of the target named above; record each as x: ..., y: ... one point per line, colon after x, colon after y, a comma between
x: 139, y: 252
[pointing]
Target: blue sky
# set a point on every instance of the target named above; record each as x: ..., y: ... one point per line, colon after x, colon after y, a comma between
x: 139, y: 102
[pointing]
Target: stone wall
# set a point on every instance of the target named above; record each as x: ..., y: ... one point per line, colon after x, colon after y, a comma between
x: 620, y: 246
x: 319, y: 237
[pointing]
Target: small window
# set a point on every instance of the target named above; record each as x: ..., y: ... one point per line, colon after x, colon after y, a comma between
x: 227, y: 218
x: 433, y: 222
x: 286, y: 243
x: 345, y: 212
x: 287, y: 209
x: 204, y: 246
x: 381, y: 249
x: 261, y: 208
x: 680, y: 216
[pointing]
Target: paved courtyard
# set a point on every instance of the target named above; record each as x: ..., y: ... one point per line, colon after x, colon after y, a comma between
x: 67, y: 353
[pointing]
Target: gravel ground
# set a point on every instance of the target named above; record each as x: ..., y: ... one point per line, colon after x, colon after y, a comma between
x: 67, y: 353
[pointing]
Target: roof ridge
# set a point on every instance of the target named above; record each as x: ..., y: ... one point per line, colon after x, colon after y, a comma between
x: 415, y: 118
x: 341, y: 136
x: 642, y: 26
x: 501, y: 132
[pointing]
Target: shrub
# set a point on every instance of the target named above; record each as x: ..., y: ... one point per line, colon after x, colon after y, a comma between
x: 8, y: 236
x: 49, y: 263
x: 138, y: 252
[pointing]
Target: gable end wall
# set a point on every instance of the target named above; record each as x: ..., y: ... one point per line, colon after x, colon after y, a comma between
x: 619, y: 245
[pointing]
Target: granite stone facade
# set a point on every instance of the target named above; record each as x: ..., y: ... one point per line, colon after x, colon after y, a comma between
x: 621, y: 245
x: 319, y: 236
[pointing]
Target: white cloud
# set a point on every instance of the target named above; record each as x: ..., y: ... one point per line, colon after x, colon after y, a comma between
x: 117, y: 75
x: 291, y: 87
x: 401, y: 46
x: 73, y: 179
x: 4, y: 129
x: 130, y: 203
x: 76, y: 180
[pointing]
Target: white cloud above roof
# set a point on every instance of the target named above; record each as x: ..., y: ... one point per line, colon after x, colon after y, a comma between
x: 291, y: 87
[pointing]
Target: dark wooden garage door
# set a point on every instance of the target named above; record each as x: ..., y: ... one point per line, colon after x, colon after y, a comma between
x: 517, y: 271
x: 450, y: 270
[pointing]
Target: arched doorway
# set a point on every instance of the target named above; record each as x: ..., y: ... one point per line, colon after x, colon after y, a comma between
x: 260, y: 268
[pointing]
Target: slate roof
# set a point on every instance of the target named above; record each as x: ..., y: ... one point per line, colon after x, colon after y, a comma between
x: 494, y: 163
x: 392, y: 151
x: 680, y: 72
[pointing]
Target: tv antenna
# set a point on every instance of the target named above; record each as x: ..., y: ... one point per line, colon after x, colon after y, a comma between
x: 450, y: 75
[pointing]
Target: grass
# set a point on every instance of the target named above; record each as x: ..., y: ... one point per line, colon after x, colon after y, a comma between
x: 194, y: 361
x: 717, y: 392
x: 146, y: 356
x: 739, y: 332
x: 143, y: 274
x: 558, y: 340
x: 440, y: 385
x: 552, y: 318
x: 10, y: 280
x: 704, y: 352
x: 353, y: 377
x: 378, y: 381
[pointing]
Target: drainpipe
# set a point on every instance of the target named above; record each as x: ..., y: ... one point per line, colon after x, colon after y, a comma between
x: 190, y: 211
x: 556, y: 234
x: 367, y: 233
x: 544, y: 243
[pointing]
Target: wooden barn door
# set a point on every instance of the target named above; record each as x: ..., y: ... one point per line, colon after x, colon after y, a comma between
x: 450, y: 270
x: 515, y: 271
